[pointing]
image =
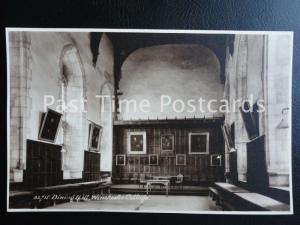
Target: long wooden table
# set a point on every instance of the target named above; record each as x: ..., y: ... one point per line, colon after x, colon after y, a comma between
x: 166, y: 183
x: 162, y: 177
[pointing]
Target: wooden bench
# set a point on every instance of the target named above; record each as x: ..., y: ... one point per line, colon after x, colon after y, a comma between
x: 37, y: 198
x: 237, y: 198
x: 230, y: 188
x: 214, y: 194
x: 73, y: 188
x: 255, y: 201
x: 20, y: 199
x: 93, y: 187
x: 101, y: 189
x: 13, y: 194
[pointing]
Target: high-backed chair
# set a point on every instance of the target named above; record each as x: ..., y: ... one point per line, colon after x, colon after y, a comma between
x: 179, y: 180
x: 173, y: 181
x: 142, y: 180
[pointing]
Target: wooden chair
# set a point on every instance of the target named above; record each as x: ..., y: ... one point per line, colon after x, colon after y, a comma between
x: 179, y: 180
x: 173, y: 181
x: 142, y: 180
x: 135, y: 178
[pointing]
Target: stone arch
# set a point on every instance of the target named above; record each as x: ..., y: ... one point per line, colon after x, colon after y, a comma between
x: 106, y: 121
x: 187, y: 70
x: 73, y: 88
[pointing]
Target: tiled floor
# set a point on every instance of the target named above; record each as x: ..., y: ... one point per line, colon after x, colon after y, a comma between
x: 153, y: 202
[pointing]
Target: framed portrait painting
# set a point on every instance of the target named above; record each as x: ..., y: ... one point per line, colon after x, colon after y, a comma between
x: 153, y: 159
x: 95, y: 133
x: 136, y: 142
x: 180, y: 159
x: 199, y: 143
x: 120, y: 160
x: 50, y: 126
x: 167, y: 142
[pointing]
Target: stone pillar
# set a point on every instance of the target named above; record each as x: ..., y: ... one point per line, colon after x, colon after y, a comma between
x: 277, y: 94
x: 20, y: 101
x: 73, y: 150
x: 241, y: 138
x: 75, y: 128
x: 227, y: 92
x: 107, y: 124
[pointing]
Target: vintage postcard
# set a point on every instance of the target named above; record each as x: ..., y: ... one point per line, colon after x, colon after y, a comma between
x: 163, y: 121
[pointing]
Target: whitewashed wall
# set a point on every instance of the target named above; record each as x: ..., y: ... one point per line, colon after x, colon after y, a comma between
x: 260, y: 66
x: 40, y: 53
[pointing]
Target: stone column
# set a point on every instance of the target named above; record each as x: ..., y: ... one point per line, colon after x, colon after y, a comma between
x: 20, y: 101
x: 75, y: 127
x: 277, y: 94
x: 241, y: 138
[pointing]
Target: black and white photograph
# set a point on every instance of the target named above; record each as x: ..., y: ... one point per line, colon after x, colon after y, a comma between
x: 184, y: 121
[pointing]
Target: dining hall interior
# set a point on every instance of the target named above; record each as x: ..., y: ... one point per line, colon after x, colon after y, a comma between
x: 172, y: 157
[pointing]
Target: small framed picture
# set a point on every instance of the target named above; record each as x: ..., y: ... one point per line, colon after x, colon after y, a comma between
x: 215, y: 160
x: 180, y: 159
x: 136, y: 142
x: 167, y: 142
x: 199, y: 143
x: 153, y: 159
x: 95, y: 133
x: 120, y: 160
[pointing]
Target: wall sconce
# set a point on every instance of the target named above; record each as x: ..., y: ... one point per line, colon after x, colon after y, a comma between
x: 284, y: 120
x: 232, y: 150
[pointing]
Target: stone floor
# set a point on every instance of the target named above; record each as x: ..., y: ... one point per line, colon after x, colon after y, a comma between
x: 156, y: 189
x: 149, y: 203
x: 181, y: 188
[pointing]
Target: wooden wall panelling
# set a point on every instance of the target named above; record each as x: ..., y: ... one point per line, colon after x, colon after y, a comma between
x: 43, y: 164
x: 91, y: 171
x: 197, y: 167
